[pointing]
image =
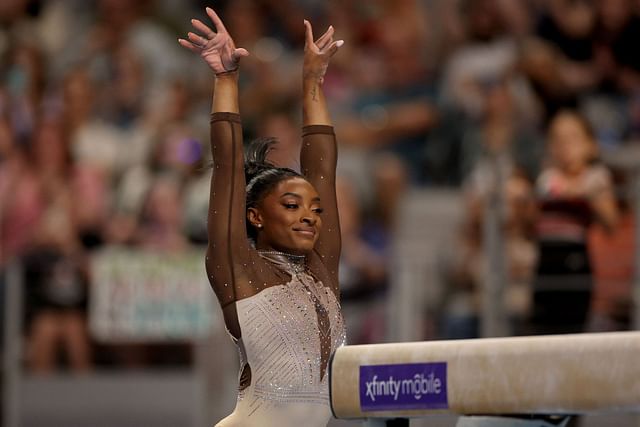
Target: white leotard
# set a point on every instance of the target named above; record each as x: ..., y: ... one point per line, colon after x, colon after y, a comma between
x: 281, y: 342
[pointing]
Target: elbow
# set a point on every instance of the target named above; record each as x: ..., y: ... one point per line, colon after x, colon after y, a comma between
x: 610, y: 220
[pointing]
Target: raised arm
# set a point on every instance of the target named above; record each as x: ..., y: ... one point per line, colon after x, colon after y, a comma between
x: 318, y: 156
x: 226, y: 227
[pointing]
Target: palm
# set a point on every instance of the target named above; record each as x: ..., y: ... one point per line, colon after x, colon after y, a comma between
x: 317, y: 54
x: 216, y: 48
x: 218, y: 53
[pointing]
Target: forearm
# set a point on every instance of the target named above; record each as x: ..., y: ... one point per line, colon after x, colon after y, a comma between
x: 225, y: 94
x: 227, y: 181
x: 317, y: 136
x: 606, y: 210
x: 314, y: 104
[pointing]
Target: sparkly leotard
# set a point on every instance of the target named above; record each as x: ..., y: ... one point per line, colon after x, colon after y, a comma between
x: 283, y: 311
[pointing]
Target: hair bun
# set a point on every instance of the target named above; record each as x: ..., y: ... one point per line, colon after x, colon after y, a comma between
x: 256, y: 157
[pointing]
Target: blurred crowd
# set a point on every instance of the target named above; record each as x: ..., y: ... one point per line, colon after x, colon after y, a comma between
x: 104, y: 141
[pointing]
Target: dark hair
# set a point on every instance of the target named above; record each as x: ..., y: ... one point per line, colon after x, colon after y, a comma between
x: 584, y: 123
x: 582, y: 120
x: 262, y: 176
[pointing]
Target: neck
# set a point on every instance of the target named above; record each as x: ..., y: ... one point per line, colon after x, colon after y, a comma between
x: 574, y: 171
x: 261, y: 246
x: 291, y: 263
x: 281, y: 253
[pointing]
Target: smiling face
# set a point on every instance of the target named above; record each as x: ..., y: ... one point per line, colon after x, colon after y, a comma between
x: 571, y: 145
x: 288, y: 218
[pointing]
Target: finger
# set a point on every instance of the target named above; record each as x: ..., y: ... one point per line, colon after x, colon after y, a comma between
x: 198, y: 25
x: 333, y: 48
x: 189, y: 45
x: 326, y: 38
x: 308, y: 33
x: 323, y: 44
x: 216, y: 20
x: 196, y: 39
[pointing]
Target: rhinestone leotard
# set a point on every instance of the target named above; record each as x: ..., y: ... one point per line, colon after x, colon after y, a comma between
x: 286, y: 309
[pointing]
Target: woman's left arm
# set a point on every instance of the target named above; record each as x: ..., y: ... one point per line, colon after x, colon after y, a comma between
x: 318, y: 156
x: 603, y: 199
x: 605, y: 207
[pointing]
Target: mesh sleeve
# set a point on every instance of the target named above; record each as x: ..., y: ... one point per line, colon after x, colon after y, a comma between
x: 228, y: 247
x: 318, y: 160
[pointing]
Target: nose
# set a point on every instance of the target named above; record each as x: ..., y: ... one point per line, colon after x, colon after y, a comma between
x: 308, y: 219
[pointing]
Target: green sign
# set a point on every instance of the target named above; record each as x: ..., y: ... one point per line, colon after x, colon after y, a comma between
x: 147, y: 296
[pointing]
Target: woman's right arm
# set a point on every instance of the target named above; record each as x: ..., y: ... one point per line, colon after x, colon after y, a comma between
x: 226, y: 216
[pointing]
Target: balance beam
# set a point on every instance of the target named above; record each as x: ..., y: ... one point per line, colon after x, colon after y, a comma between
x: 555, y: 374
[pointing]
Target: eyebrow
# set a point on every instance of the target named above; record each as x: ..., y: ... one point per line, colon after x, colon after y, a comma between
x: 297, y: 196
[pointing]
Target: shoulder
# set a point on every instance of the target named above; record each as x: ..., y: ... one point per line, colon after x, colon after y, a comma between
x: 597, y: 178
x: 547, y: 180
x: 597, y: 172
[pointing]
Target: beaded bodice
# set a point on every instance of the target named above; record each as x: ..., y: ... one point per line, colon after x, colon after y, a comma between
x: 288, y: 332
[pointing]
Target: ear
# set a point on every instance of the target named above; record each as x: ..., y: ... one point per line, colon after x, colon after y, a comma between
x: 254, y: 217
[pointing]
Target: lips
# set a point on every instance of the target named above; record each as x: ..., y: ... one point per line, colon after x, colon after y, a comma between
x: 308, y: 232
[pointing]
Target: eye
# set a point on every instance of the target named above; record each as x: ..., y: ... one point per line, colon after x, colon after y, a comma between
x: 291, y: 205
x: 318, y: 210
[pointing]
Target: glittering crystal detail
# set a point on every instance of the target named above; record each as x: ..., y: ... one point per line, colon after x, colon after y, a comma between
x: 288, y: 332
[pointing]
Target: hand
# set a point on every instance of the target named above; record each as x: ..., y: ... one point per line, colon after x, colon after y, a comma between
x: 216, y: 48
x: 318, y: 54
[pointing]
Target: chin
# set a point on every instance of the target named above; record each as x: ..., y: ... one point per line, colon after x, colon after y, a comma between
x: 302, y: 248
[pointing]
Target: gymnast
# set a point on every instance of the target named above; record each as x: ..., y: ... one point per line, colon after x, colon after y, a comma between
x: 274, y: 243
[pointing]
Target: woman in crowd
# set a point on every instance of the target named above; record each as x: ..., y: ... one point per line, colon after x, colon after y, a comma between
x: 573, y: 189
x: 274, y: 243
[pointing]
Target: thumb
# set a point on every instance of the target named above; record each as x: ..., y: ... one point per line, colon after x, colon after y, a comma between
x: 240, y: 53
x: 333, y: 48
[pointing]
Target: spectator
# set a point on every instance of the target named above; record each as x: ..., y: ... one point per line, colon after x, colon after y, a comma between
x: 487, y: 56
x: 574, y: 189
x: 618, y: 28
x: 363, y: 272
x: 21, y: 204
x: 55, y: 264
x: 613, y: 256
x: 570, y: 27
x: 394, y: 108
x: 495, y: 169
x: 366, y: 231
x: 160, y: 226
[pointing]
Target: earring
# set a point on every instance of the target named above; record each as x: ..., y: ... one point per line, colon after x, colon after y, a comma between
x: 259, y: 225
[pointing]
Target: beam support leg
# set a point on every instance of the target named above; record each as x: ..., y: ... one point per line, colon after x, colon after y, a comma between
x: 381, y: 422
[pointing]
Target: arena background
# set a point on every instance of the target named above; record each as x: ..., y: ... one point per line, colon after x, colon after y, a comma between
x: 441, y: 110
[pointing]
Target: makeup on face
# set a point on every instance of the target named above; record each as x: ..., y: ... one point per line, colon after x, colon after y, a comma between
x: 290, y: 217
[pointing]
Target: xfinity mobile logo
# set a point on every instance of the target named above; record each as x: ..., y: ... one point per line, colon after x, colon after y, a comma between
x: 418, y: 386
x: 403, y: 386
